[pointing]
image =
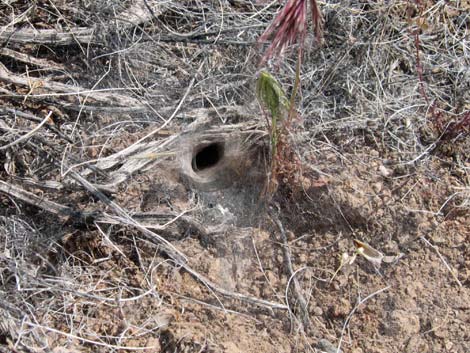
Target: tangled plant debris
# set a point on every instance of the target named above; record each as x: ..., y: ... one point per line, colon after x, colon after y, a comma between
x: 107, y: 242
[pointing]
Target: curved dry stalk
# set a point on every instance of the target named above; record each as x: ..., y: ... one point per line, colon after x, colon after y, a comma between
x: 29, y: 134
x: 348, y: 318
x: 297, y: 289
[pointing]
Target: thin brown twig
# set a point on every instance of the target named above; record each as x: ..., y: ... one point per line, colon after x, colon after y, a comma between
x: 297, y: 289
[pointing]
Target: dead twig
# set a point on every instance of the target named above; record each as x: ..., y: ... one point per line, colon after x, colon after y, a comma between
x: 435, y: 248
x: 27, y: 135
x: 42, y: 203
x: 104, y: 99
x: 348, y: 319
x: 25, y: 115
x: 82, y: 35
x: 44, y: 64
x: 297, y: 289
x: 135, y: 15
x: 86, y: 340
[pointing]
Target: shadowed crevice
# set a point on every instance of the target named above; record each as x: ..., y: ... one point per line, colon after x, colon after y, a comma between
x: 208, y: 156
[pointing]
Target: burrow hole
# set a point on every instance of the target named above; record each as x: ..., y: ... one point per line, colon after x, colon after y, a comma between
x: 208, y: 156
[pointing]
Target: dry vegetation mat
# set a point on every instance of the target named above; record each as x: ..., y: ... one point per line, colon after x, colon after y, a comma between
x: 141, y: 209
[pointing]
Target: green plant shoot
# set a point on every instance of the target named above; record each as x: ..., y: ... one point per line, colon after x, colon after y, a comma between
x: 272, y: 97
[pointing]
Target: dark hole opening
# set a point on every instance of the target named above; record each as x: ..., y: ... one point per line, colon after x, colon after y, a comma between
x: 208, y: 156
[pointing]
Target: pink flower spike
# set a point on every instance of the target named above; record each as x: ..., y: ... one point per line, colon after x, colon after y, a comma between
x: 290, y: 26
x: 316, y: 19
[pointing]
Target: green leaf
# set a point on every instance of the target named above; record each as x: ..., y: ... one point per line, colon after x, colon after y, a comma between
x: 272, y: 97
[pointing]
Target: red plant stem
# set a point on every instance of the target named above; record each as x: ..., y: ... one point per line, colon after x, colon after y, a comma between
x: 316, y: 19
x: 461, y: 126
x: 296, y: 87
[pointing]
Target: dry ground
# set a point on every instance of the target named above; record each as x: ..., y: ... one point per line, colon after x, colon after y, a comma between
x: 108, y: 245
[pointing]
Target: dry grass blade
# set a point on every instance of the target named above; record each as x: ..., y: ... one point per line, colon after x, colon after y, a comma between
x: 452, y: 272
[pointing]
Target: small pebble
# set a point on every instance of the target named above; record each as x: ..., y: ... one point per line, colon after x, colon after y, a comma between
x: 326, y: 347
x: 318, y: 311
x: 384, y: 171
